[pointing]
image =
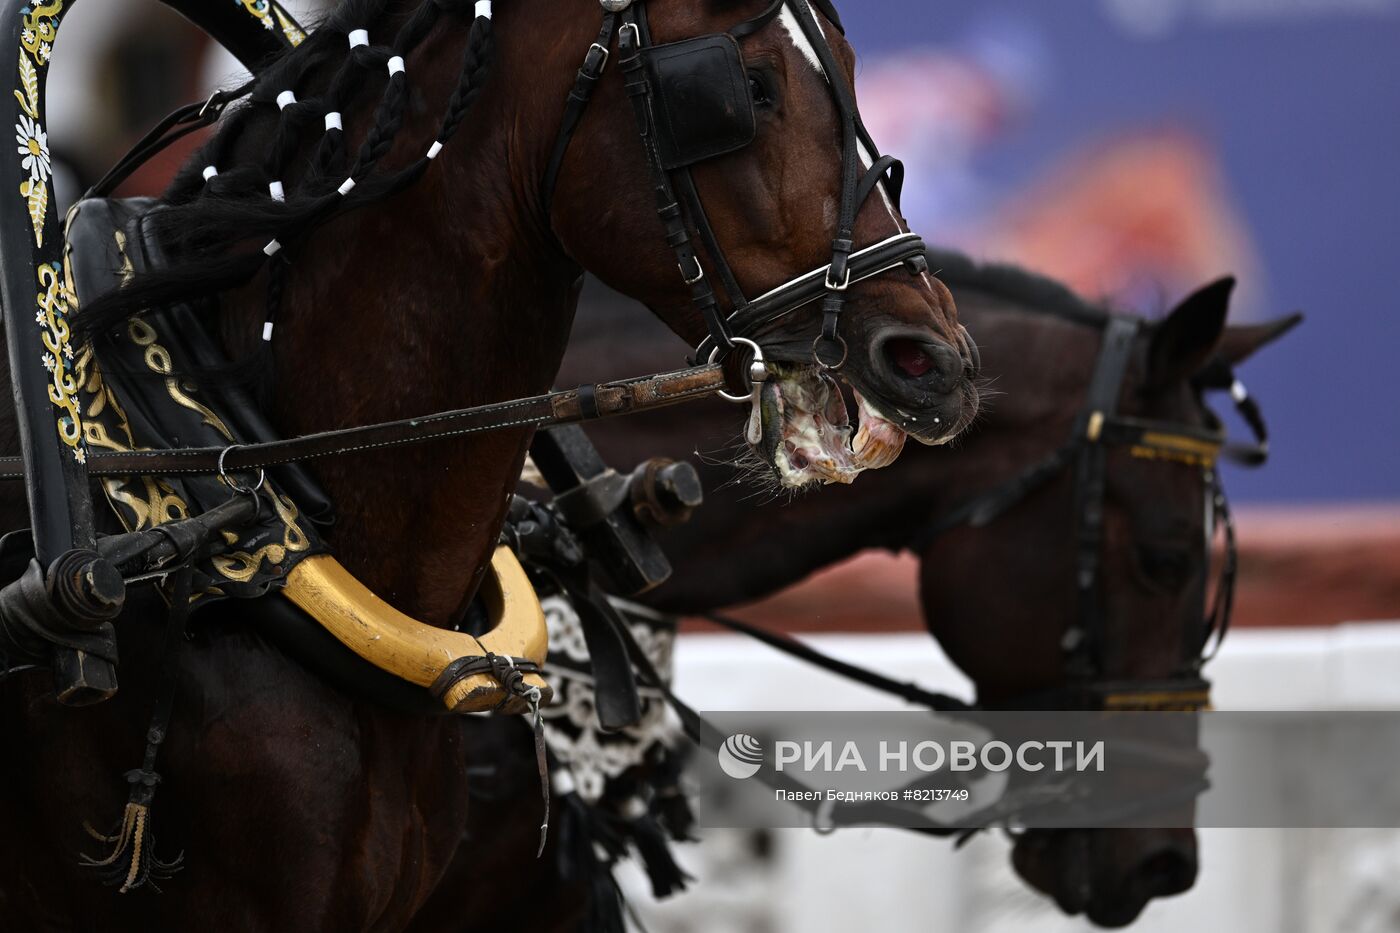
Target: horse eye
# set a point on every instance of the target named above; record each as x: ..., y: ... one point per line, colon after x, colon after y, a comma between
x: 758, y: 90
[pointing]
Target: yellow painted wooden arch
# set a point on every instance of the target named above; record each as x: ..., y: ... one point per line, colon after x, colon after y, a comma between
x: 418, y: 652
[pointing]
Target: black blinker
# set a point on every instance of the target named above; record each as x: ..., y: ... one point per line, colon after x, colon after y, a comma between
x: 703, y: 107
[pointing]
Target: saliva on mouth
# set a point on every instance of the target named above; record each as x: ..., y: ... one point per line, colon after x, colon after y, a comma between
x: 807, y: 434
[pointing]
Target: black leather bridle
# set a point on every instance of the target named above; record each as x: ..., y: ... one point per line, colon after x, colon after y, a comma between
x: 691, y: 102
x: 1097, y: 428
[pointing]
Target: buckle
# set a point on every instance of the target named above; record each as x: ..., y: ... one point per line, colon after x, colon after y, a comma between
x: 589, y: 68
x: 841, y: 286
x: 636, y: 35
x: 700, y: 277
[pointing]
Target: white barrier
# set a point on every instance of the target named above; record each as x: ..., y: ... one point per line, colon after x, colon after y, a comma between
x: 793, y: 881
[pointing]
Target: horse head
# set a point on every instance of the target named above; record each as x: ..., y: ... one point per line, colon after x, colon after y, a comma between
x: 769, y: 161
x: 1125, y: 626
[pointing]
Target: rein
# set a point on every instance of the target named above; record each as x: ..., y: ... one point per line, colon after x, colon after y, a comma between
x: 1015, y: 806
x: 572, y: 406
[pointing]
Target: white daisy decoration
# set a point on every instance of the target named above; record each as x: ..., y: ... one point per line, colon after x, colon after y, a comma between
x: 33, y: 142
x: 27, y: 37
x: 68, y: 351
x: 41, y: 319
x: 49, y: 362
x: 80, y: 455
x: 45, y: 50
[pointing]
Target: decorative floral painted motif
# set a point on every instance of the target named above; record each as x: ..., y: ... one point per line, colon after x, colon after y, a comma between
x: 272, y: 17
x: 32, y: 140
x: 56, y: 302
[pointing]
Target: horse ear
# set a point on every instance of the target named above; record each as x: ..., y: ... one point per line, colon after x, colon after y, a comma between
x: 1183, y: 342
x: 1242, y: 342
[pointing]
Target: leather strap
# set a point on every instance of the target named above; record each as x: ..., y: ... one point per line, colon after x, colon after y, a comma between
x: 905, y: 249
x: 1083, y: 642
x: 632, y: 39
x: 584, y: 85
x: 610, y: 400
x: 802, y: 652
x: 180, y: 123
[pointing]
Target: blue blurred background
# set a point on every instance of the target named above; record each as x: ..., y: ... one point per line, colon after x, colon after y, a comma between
x: 1138, y: 148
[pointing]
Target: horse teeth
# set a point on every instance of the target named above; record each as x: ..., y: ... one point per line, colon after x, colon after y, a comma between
x: 878, y: 442
x: 815, y: 431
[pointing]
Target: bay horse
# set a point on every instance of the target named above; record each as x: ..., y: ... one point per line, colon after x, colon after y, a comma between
x: 999, y: 598
x: 406, y: 278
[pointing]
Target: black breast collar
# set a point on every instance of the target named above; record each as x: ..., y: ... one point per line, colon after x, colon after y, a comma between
x: 710, y: 68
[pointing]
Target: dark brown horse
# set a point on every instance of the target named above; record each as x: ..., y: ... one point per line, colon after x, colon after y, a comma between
x: 298, y: 807
x: 998, y: 598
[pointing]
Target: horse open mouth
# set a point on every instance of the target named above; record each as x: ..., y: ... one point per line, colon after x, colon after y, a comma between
x: 807, y: 435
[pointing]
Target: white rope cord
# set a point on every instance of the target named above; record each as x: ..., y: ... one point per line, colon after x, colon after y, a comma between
x: 209, y: 172
x: 333, y: 121
x: 285, y: 100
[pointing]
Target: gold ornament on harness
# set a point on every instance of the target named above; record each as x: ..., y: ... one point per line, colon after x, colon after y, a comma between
x: 419, y: 653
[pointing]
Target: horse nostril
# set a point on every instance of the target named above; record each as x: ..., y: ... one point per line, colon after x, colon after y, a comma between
x: 1168, y: 872
x: 931, y: 365
x: 909, y: 357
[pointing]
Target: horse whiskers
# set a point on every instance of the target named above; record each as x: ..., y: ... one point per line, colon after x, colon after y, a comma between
x: 753, y: 470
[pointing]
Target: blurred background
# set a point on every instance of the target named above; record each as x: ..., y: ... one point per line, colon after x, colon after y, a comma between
x: 1135, y: 149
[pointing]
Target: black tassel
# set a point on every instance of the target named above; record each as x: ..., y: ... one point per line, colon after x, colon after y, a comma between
x: 669, y: 803
x: 133, y: 862
x: 671, y: 808
x: 582, y: 834
x: 654, y: 849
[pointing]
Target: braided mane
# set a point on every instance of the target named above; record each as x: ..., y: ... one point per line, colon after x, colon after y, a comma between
x: 223, y: 219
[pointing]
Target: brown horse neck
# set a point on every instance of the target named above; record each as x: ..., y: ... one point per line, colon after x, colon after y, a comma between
x: 440, y: 297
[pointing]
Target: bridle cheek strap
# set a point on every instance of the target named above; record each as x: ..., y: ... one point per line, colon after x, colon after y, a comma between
x: 589, y: 74
x: 679, y: 128
x: 668, y: 209
x: 1082, y: 643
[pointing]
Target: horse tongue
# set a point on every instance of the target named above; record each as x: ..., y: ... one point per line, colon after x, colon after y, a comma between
x: 815, y: 431
x: 879, y: 442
